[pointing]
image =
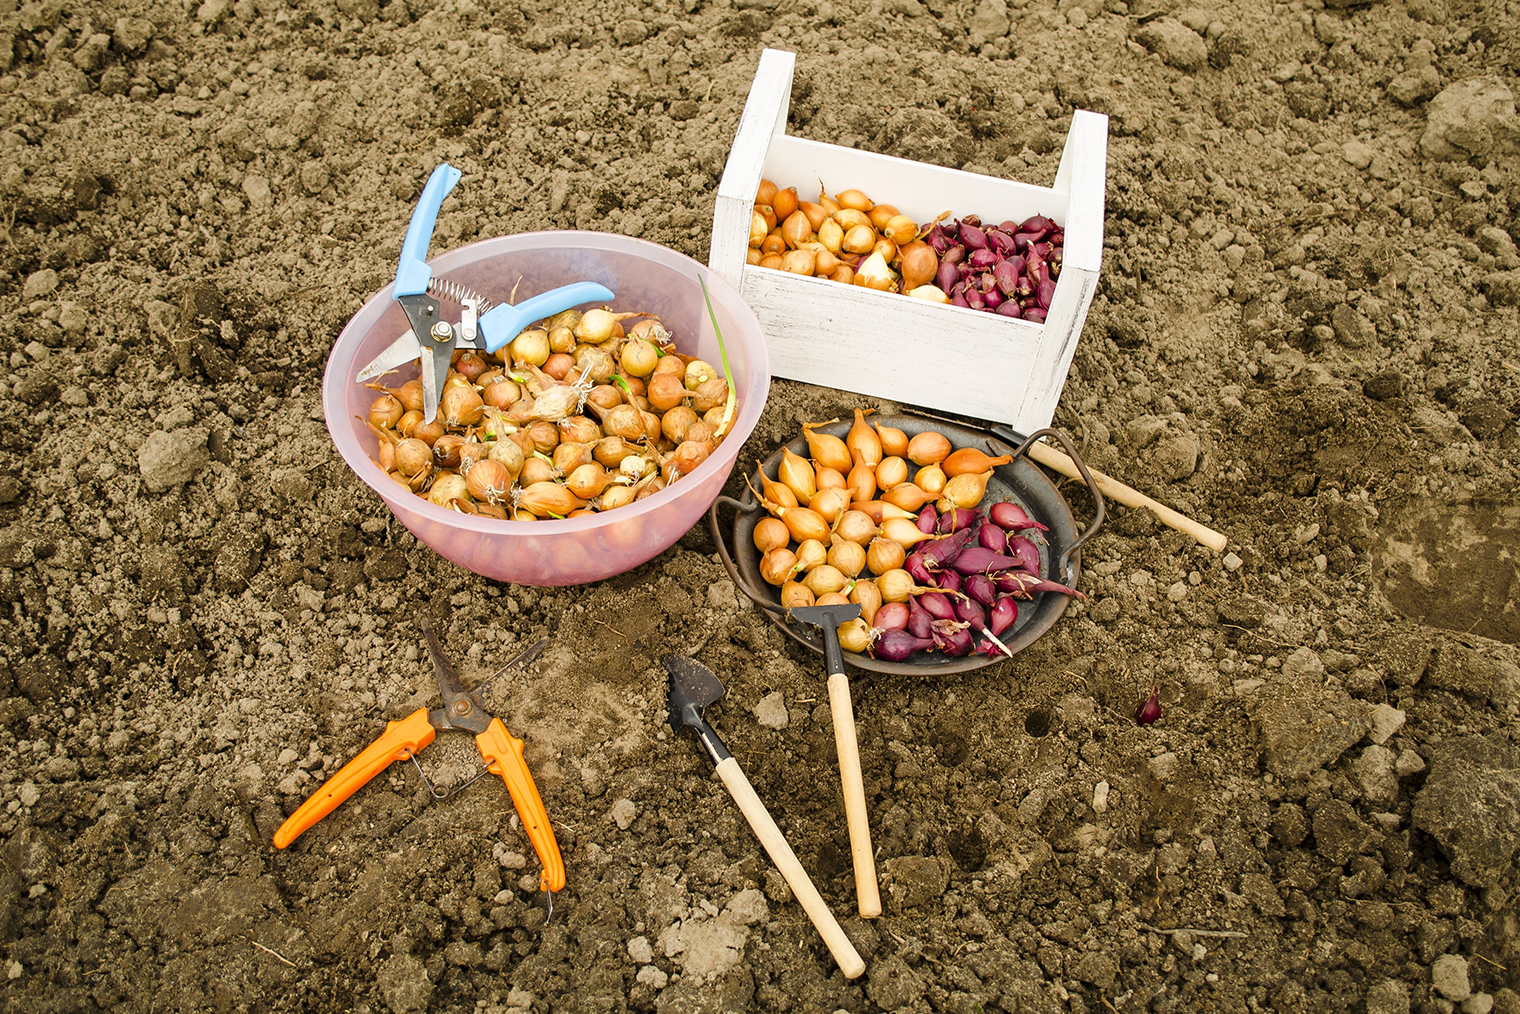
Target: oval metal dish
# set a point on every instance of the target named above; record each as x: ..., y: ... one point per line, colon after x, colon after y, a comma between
x: 1021, y: 481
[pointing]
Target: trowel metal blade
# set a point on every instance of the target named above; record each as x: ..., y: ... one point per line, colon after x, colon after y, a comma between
x: 692, y: 688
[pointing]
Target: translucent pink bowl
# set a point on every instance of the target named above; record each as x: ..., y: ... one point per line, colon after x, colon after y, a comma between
x: 644, y: 276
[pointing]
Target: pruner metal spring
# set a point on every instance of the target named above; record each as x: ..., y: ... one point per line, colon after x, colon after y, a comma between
x: 443, y: 288
x: 438, y: 791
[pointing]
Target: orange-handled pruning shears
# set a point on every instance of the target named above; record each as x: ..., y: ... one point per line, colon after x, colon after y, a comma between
x: 402, y: 740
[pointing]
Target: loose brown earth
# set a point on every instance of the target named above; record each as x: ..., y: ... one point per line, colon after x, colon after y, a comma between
x: 1305, y: 336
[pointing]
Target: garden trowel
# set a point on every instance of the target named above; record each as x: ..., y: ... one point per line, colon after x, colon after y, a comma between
x: 692, y: 688
x: 827, y: 619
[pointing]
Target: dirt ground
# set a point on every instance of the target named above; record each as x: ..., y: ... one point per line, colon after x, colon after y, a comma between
x: 1305, y: 335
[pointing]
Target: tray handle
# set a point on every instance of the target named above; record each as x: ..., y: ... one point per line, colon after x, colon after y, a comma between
x: 1021, y: 445
x: 745, y: 506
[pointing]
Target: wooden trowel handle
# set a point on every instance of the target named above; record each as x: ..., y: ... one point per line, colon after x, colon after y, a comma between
x: 849, y: 959
x: 866, y: 891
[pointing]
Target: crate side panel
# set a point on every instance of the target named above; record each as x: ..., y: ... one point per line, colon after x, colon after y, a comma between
x: 1058, y: 346
x: 918, y: 353
x: 764, y: 115
x: 919, y: 190
x: 1083, y: 175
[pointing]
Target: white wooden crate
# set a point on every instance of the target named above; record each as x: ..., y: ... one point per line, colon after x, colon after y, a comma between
x: 968, y: 362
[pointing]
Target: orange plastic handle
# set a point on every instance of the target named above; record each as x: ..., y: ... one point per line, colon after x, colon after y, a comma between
x: 504, y: 756
x: 400, y: 740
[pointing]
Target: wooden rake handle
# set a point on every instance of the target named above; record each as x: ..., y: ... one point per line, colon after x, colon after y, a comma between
x: 867, y: 893
x: 849, y: 959
x: 1129, y: 496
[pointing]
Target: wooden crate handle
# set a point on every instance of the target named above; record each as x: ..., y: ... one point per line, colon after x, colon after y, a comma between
x: 764, y: 116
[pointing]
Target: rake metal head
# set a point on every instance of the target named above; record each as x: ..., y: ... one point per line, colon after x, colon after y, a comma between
x: 692, y: 688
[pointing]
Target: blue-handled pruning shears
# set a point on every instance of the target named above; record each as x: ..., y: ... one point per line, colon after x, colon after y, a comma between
x: 481, y: 326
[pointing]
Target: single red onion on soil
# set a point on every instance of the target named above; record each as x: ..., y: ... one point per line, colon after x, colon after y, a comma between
x: 1150, y: 711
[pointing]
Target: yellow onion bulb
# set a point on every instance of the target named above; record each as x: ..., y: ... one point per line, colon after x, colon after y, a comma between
x: 865, y: 594
x: 863, y: 441
x: 849, y: 558
x: 965, y: 490
x: 825, y: 579
x: 928, y: 448
x: 449, y: 486
x: 830, y: 503
x: 856, y: 635
x: 777, y: 565
x: 892, y: 471
x: 893, y: 440
x: 804, y: 523
x: 857, y: 526
x: 771, y: 533
x: 883, y: 555
x: 386, y: 411
x: 795, y: 595
x: 811, y: 554
x: 904, y: 532
x: 931, y: 479
x: 895, y: 585
x: 488, y: 480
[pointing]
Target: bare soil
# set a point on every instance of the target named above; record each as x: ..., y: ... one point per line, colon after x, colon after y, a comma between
x: 1305, y: 336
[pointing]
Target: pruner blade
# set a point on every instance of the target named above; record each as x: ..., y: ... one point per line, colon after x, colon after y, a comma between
x: 396, y: 355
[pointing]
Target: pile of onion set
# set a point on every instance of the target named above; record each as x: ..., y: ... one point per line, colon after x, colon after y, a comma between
x: 899, y: 526
x: 575, y: 415
x: 1009, y: 268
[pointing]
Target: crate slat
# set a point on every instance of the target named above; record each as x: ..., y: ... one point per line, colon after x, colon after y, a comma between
x: 851, y: 338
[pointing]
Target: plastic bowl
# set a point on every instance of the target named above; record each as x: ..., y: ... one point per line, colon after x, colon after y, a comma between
x: 644, y: 276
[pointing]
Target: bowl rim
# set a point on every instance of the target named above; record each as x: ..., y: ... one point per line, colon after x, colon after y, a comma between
x: 335, y: 382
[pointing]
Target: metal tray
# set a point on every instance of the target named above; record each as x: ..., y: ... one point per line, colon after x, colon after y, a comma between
x: 1021, y: 481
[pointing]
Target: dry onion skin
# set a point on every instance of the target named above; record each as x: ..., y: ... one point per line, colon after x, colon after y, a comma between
x: 1008, y: 268
x: 561, y: 422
